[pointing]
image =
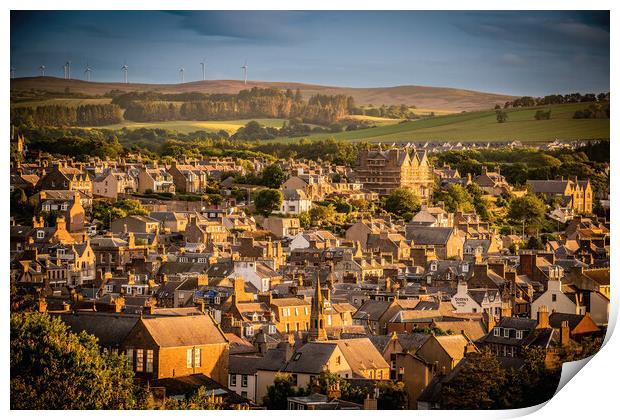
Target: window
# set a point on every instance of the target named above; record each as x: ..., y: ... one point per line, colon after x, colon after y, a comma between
x: 297, y: 356
x: 496, y: 331
x: 40, y: 234
x: 296, y: 311
x: 196, y: 357
x: 337, y: 360
x: 233, y: 379
x: 554, y: 297
x: 244, y: 381
x: 139, y: 360
x: 306, y: 310
x: 149, y: 361
x: 519, y: 335
x: 130, y: 357
x: 189, y: 358
x: 506, y: 333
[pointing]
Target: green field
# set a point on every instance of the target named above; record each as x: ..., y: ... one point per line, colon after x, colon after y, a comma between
x: 483, y: 126
x: 189, y: 126
x: 75, y: 102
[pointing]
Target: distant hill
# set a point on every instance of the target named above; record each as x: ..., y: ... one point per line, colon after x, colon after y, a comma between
x: 432, y: 98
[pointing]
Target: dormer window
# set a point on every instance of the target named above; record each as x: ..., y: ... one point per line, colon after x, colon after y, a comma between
x: 506, y: 333
x: 272, y: 329
x: 497, y: 331
x: 434, y: 266
x: 519, y: 335
x: 40, y: 234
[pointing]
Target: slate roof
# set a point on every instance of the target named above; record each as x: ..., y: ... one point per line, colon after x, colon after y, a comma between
x: 311, y: 357
x: 423, y: 235
x: 245, y: 365
x: 109, y: 328
x: 180, y: 331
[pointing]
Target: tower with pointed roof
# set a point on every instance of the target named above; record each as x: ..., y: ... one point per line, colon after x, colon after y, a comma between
x: 317, y: 330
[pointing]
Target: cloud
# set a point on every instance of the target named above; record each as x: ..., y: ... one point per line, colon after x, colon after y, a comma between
x: 247, y: 26
x: 541, y: 31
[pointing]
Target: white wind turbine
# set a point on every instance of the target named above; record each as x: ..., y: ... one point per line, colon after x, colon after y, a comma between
x: 203, y: 64
x: 245, y: 72
x: 88, y: 71
x: 124, y: 69
x: 68, y: 70
x: 42, y: 69
x: 182, y: 74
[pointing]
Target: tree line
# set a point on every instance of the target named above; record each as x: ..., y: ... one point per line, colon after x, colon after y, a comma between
x: 571, y: 98
x: 67, y: 116
x: 252, y: 103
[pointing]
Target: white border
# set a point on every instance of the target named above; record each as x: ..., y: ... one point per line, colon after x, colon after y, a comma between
x: 590, y: 394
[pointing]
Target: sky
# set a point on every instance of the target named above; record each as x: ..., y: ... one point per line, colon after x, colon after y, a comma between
x: 517, y: 53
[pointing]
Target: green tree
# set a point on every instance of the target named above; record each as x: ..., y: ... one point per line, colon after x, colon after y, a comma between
x: 278, y: 393
x: 268, y: 200
x: 455, y: 198
x: 53, y: 368
x: 501, y: 116
x: 322, y: 215
x: 534, y: 243
x: 273, y: 176
x: 478, y: 385
x: 401, y: 201
x: 528, y: 209
x: 392, y: 396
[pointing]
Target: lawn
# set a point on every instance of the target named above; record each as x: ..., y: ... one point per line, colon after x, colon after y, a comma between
x: 483, y: 126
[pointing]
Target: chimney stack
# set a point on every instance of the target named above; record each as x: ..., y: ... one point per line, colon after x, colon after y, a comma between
x: 564, y: 334
x: 543, y: 318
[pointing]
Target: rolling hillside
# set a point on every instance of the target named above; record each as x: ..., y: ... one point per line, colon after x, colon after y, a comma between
x: 483, y: 126
x: 432, y: 98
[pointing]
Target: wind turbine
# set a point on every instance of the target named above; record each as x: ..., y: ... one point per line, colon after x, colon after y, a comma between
x: 88, y: 72
x: 68, y: 70
x: 182, y: 74
x: 125, y: 68
x: 203, y: 64
x: 245, y: 72
x: 42, y: 68
x: 12, y: 72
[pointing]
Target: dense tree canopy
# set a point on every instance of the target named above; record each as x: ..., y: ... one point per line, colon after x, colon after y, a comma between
x: 52, y: 368
x: 529, y: 209
x: 401, y: 202
x: 268, y: 200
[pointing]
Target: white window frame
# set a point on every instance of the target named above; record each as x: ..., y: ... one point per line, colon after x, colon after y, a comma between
x: 139, y: 360
x: 149, y: 360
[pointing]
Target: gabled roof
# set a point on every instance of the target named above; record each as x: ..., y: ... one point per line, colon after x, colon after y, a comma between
x: 423, y: 235
x: 181, y: 331
x: 311, y: 357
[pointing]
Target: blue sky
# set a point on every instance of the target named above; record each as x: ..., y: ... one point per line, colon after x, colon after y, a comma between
x: 521, y: 53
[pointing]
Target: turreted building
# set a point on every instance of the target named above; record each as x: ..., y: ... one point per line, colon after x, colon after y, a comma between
x: 382, y: 171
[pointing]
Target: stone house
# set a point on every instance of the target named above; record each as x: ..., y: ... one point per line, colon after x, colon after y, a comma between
x: 167, y: 347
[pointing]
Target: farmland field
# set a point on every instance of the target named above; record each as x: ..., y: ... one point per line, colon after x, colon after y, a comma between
x: 189, y: 126
x: 483, y: 126
x: 73, y: 102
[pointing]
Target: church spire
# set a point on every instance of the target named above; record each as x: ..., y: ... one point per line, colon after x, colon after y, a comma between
x: 317, y: 315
